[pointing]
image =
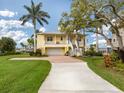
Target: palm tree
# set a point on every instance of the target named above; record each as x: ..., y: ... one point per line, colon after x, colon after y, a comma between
x: 30, y: 42
x: 35, y: 14
x: 23, y: 45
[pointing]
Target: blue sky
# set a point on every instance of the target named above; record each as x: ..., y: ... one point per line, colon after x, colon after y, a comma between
x: 53, y: 7
x: 12, y: 10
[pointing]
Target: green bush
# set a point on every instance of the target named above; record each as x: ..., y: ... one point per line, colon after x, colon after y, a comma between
x: 93, y: 53
x: 114, y: 56
x: 98, y: 53
x: 38, y: 53
x: 31, y: 53
x: 18, y: 53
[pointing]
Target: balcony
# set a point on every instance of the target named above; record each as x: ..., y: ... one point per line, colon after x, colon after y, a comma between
x: 56, y: 45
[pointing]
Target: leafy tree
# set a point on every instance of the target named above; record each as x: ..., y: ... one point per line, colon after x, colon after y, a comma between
x: 35, y: 14
x: 66, y: 26
x: 111, y: 13
x: 7, y: 45
x: 78, y: 14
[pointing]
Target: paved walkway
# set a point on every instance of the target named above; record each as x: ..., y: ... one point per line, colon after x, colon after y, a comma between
x: 70, y: 75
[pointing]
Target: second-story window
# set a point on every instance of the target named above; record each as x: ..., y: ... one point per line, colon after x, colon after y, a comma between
x: 49, y: 39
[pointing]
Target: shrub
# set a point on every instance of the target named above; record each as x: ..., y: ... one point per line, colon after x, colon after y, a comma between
x: 98, y: 54
x: 38, y: 53
x: 108, y: 60
x: 93, y: 53
x: 67, y: 53
x: 18, y: 53
x: 114, y: 56
x: 31, y: 53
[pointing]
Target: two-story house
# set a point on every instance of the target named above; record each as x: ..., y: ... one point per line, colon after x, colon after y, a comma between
x: 114, y: 39
x: 57, y: 43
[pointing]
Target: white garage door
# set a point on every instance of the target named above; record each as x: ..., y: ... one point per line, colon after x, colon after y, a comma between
x: 55, y: 51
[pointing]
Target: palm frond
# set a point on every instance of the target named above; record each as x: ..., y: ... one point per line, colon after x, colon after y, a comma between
x: 25, y: 18
x: 33, y: 7
x: 44, y: 20
x: 28, y: 9
x: 35, y: 14
x: 44, y: 14
x: 32, y: 3
x: 38, y: 7
x: 40, y: 22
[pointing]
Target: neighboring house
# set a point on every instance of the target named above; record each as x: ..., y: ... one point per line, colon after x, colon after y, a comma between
x: 57, y: 43
x: 114, y: 39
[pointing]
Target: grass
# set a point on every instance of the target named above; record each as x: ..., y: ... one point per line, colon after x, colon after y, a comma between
x: 22, y: 76
x: 112, y: 75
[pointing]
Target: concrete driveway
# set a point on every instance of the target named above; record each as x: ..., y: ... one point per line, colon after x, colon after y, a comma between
x: 75, y: 78
x: 70, y: 75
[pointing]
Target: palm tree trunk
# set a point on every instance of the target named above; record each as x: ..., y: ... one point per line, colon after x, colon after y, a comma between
x: 35, y: 46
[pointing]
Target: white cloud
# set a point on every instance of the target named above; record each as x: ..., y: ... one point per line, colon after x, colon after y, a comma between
x: 7, y: 13
x: 42, y: 29
x: 13, y: 24
x: 14, y: 29
x: 18, y: 36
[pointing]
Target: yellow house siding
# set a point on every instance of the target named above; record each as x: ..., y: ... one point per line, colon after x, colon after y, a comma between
x: 40, y: 41
x: 56, y: 42
x: 43, y: 50
x: 58, y: 39
x: 66, y: 49
x: 53, y: 36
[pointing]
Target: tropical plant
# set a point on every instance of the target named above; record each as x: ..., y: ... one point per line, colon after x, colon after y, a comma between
x: 30, y: 42
x: 23, y: 45
x: 74, y: 23
x: 78, y: 14
x: 35, y: 14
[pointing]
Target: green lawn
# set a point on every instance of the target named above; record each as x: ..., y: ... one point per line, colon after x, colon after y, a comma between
x: 114, y: 76
x: 22, y: 76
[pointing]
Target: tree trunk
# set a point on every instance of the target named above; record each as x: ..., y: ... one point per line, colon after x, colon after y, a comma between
x: 121, y: 47
x: 77, y: 50
x: 84, y: 40
x: 97, y: 41
x: 35, y: 46
x: 120, y: 42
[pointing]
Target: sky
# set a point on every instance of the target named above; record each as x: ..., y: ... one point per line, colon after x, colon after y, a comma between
x: 12, y: 10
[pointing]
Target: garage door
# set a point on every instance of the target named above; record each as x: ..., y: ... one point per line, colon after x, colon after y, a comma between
x: 55, y: 51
